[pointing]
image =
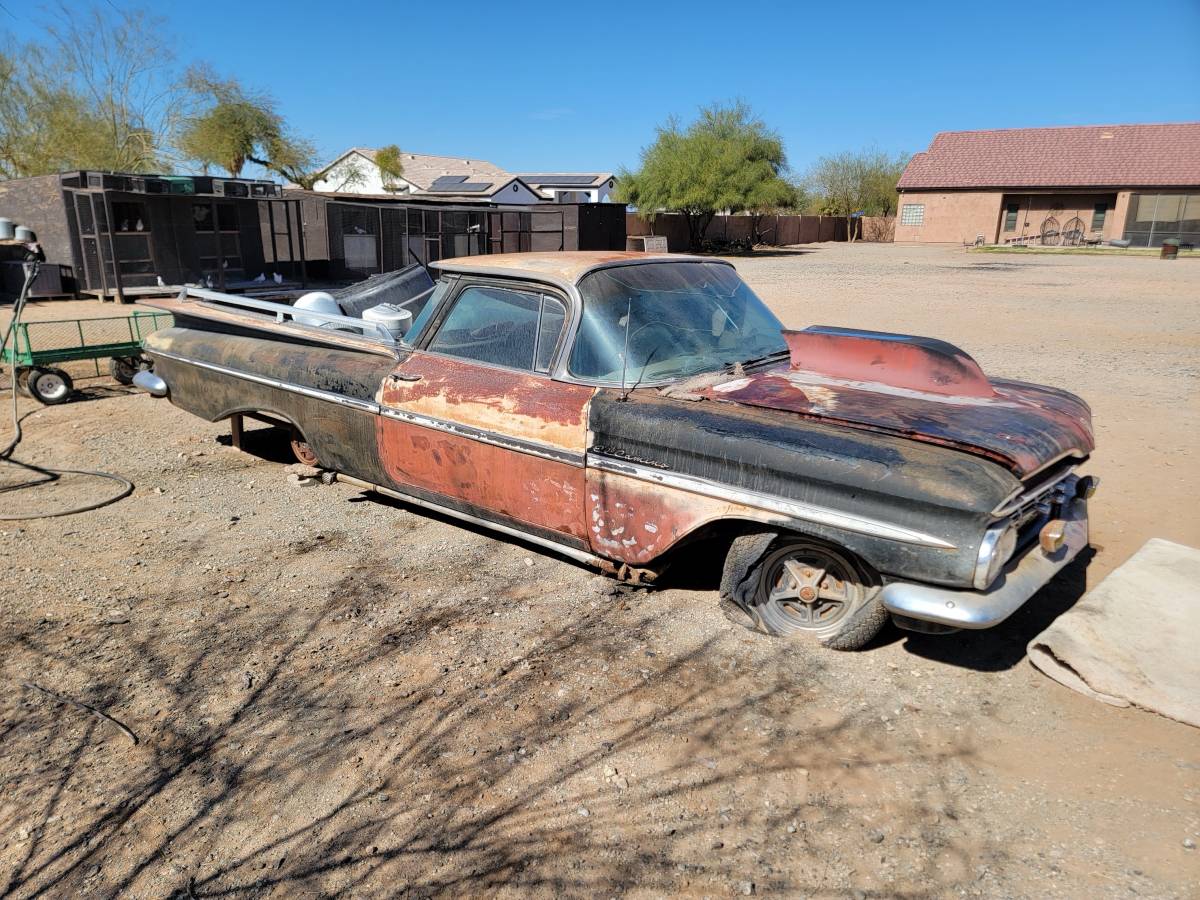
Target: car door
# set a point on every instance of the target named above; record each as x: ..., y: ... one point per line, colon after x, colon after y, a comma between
x: 474, y: 418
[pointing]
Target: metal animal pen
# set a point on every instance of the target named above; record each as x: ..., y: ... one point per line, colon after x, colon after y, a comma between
x: 366, y: 238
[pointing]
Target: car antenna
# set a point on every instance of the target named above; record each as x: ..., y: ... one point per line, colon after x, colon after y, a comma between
x: 625, y: 355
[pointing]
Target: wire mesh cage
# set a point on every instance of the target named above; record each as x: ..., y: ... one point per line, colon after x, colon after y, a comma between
x: 37, y: 343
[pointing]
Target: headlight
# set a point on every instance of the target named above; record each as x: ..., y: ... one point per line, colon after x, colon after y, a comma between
x: 996, y: 549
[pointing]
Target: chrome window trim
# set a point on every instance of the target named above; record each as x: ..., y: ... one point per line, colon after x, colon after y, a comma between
x: 806, y: 512
x: 496, y: 439
x: 558, y: 371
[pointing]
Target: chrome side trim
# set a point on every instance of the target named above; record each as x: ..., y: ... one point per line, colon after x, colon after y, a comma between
x: 531, y: 448
x: 574, y: 553
x: 315, y: 393
x: 1026, y: 495
x: 793, y: 509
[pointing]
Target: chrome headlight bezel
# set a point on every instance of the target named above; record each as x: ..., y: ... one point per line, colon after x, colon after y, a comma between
x: 995, y: 550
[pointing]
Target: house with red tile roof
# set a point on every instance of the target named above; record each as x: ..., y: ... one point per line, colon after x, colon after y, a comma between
x: 1055, y: 186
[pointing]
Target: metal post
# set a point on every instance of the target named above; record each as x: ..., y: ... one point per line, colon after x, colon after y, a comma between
x: 271, y: 231
x: 235, y: 430
x: 91, y: 198
x: 299, y: 241
x: 220, y: 254
x: 112, y: 248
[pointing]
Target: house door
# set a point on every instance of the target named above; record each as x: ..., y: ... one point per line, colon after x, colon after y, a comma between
x: 475, y: 418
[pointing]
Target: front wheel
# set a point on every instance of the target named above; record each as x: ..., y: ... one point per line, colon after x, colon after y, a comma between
x: 789, y: 585
x: 50, y: 386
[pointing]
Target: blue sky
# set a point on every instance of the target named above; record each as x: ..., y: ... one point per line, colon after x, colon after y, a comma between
x: 560, y: 86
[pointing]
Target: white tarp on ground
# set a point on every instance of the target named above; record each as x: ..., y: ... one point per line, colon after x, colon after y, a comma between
x: 1134, y: 639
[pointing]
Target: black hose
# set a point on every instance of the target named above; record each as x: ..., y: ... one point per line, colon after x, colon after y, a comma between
x: 51, y: 475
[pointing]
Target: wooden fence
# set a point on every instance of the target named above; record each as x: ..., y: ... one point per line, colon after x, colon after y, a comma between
x: 777, y: 231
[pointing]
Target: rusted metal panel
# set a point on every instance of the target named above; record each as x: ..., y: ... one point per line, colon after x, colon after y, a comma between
x: 515, y: 485
x: 342, y: 373
x: 900, y: 360
x: 517, y: 448
x: 636, y: 522
x: 568, y: 266
x: 518, y: 404
x: 933, y: 490
x: 203, y: 316
x: 1022, y: 427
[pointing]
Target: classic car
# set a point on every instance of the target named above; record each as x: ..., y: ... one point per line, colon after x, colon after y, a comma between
x: 619, y: 407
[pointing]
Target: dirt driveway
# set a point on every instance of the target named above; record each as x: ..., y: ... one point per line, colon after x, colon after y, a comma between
x: 333, y: 694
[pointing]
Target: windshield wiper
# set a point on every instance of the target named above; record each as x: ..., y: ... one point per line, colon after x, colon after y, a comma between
x: 755, y: 360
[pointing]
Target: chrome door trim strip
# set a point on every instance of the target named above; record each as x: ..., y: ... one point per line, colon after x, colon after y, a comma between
x: 793, y: 509
x: 495, y: 439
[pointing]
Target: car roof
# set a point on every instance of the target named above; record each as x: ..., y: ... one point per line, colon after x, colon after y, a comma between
x: 566, y: 265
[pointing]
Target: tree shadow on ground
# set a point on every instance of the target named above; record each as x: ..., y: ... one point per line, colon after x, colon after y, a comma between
x: 320, y: 741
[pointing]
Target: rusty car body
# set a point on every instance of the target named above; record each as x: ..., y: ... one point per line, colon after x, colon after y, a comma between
x: 618, y: 407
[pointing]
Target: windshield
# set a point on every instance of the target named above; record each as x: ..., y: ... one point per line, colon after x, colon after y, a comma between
x: 675, y: 318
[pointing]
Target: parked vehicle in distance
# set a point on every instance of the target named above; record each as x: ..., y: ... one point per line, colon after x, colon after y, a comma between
x: 617, y: 407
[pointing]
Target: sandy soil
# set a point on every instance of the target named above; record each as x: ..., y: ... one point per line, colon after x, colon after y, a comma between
x: 334, y: 694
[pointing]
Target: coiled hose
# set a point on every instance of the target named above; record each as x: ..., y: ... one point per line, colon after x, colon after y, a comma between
x: 49, y: 475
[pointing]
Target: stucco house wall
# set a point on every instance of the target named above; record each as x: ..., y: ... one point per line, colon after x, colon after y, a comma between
x: 369, y: 182
x: 951, y: 217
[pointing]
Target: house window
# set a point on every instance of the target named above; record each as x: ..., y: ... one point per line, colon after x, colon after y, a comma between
x: 1098, y: 213
x: 1011, y: 211
x: 912, y: 214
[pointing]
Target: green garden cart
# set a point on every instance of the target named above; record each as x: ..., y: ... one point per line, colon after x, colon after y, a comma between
x: 37, y: 347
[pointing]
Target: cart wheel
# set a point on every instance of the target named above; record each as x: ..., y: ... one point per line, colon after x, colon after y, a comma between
x: 123, y: 368
x: 50, y: 386
x: 22, y: 375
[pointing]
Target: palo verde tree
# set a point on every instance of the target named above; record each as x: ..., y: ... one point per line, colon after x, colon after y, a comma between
x: 727, y: 160
x: 232, y: 126
x: 98, y: 91
x: 850, y: 183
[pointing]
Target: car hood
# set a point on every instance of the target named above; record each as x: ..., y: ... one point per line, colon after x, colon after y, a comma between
x: 1024, y: 427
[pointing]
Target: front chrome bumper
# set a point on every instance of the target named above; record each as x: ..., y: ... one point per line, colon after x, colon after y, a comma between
x: 1023, y: 577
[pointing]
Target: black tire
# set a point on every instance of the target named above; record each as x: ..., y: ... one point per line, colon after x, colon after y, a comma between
x: 123, y: 368
x: 51, y: 386
x: 22, y: 376
x: 787, y: 585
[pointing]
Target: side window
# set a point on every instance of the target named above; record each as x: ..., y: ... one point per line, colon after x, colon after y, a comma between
x: 554, y: 314
x: 1011, y: 211
x: 505, y: 328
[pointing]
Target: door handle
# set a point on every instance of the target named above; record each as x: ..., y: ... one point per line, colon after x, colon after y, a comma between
x: 404, y: 377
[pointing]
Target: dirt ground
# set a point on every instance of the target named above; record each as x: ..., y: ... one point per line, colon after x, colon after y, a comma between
x: 338, y: 695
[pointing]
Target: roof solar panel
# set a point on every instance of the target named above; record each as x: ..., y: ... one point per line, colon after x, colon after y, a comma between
x: 444, y: 181
x: 460, y: 187
x: 560, y: 179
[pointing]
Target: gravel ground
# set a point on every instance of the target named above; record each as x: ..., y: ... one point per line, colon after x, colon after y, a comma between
x: 334, y: 694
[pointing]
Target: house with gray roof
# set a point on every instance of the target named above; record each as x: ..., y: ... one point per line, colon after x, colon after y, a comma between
x: 454, y: 178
